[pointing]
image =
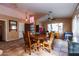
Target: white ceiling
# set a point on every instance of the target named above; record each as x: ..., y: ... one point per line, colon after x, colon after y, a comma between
x: 59, y: 9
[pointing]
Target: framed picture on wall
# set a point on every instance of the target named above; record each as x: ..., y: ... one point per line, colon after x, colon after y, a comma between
x: 31, y: 19
x: 12, y: 25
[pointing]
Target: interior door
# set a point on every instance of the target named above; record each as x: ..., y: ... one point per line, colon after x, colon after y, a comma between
x: 0, y: 32
x: 27, y: 27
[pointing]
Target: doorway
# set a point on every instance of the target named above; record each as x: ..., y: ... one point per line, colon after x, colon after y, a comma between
x: 21, y: 30
x: 2, y: 30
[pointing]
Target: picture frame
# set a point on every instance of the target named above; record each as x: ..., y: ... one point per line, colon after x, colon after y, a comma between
x: 12, y: 25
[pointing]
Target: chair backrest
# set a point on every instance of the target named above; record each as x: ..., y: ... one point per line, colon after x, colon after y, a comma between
x: 27, y: 38
x: 57, y: 35
x: 51, y: 38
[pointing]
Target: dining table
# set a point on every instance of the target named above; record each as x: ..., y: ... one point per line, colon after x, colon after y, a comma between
x: 40, y: 38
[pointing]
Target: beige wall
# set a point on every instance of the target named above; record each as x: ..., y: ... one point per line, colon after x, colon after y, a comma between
x: 14, y: 35
x: 8, y: 13
x: 10, y: 35
x: 66, y: 21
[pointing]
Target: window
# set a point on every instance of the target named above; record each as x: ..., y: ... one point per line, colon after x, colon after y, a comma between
x: 49, y: 27
x: 56, y: 27
x: 61, y: 27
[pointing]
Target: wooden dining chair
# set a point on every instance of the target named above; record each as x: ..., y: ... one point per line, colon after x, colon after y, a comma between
x: 28, y: 43
x: 57, y: 35
x: 48, y: 44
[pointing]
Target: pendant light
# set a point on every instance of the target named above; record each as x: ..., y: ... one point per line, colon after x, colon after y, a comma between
x: 26, y: 19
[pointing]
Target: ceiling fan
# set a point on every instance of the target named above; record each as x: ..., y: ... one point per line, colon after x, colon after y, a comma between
x: 50, y: 16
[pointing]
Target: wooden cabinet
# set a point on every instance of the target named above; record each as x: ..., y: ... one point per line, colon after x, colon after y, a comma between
x: 30, y: 27
x: 37, y: 28
x: 27, y: 27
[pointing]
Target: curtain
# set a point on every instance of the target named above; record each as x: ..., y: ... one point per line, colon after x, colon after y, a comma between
x: 75, y: 28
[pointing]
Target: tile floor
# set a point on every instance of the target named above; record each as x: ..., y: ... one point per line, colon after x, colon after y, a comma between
x: 16, y: 48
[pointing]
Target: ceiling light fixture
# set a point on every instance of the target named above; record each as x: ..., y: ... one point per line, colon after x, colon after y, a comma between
x: 50, y: 16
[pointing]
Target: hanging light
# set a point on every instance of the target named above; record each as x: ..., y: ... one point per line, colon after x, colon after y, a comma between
x: 26, y: 19
x: 50, y: 16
